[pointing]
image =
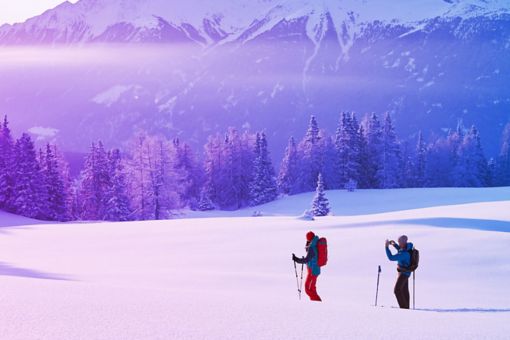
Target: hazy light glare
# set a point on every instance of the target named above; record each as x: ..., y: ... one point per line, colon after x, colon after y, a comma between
x: 93, y: 54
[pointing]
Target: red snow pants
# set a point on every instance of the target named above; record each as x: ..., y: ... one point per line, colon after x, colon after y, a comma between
x: 310, y: 286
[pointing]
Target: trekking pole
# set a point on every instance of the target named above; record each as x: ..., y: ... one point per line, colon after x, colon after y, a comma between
x: 297, y: 280
x: 377, y: 289
x: 301, y: 284
x: 414, y: 292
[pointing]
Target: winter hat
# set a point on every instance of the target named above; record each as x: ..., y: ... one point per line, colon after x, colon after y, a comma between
x: 309, y: 236
x: 403, y: 238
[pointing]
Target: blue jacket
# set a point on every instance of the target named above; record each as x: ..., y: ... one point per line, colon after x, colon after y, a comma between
x: 403, y: 256
x: 311, y: 257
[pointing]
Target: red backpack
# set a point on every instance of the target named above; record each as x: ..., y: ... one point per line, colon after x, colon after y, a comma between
x: 322, y: 252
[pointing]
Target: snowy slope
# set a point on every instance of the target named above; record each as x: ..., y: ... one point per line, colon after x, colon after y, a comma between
x: 232, y: 278
x: 11, y: 220
x: 366, y: 202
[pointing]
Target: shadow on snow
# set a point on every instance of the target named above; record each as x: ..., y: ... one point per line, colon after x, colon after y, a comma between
x: 465, y: 310
x: 8, y: 270
x: 442, y: 222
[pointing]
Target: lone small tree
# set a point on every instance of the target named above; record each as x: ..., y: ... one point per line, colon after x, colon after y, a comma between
x: 320, y: 204
x: 205, y: 203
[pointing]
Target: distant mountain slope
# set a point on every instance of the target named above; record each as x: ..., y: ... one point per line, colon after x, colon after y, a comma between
x: 192, y: 68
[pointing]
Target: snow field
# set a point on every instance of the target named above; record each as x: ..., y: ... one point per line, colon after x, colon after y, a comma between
x: 232, y: 277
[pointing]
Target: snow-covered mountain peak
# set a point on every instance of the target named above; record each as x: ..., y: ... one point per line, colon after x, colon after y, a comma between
x: 208, y: 22
x: 402, y: 11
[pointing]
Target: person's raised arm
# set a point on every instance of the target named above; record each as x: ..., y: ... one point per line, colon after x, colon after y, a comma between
x: 396, y: 257
x: 392, y: 257
x: 395, y: 244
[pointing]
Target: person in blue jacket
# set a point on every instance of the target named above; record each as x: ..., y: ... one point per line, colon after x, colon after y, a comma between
x: 313, y: 268
x: 403, y: 258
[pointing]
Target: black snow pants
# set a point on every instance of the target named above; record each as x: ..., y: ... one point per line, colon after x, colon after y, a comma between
x: 402, y: 290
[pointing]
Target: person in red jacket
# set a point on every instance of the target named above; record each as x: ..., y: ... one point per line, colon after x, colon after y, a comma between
x: 313, y: 268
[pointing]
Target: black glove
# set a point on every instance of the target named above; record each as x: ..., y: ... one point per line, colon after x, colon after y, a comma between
x: 294, y: 258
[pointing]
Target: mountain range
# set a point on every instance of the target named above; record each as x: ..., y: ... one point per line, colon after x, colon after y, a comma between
x: 109, y: 68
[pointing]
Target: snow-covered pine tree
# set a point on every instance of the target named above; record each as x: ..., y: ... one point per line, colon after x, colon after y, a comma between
x: 407, y: 157
x: 117, y: 205
x: 6, y: 165
x: 241, y: 172
x: 364, y: 160
x: 256, y: 185
x: 228, y: 169
x: 320, y: 204
x: 41, y: 159
x: 164, y: 189
x: 29, y: 197
x: 56, y: 206
x: 247, y: 159
x: 69, y: 184
x: 154, y: 186
x: 230, y: 195
x: 354, y: 164
x: 374, y: 147
x: 138, y: 177
x: 187, y: 172
x: 351, y: 185
x: 502, y: 171
x: 204, y: 202
x: 389, y: 171
x: 74, y: 204
x: 263, y: 187
x: 471, y: 169
x: 419, y: 162
x: 341, y: 139
x: 491, y: 168
x: 289, y: 170
x: 413, y: 163
x: 347, y: 147
x: 212, y: 168
x: 311, y: 156
x: 455, y: 140
x: 439, y: 164
x: 442, y: 158
x: 94, y: 183
x: 329, y: 158
x: 158, y: 164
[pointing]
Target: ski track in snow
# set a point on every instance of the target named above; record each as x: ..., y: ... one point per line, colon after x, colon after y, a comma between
x: 232, y: 278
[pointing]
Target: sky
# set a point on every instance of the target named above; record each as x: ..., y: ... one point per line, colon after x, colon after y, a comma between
x: 12, y: 11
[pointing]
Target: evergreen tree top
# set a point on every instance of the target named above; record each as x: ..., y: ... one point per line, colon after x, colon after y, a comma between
x: 312, y: 134
x: 460, y: 129
x: 5, y: 124
x: 505, y: 142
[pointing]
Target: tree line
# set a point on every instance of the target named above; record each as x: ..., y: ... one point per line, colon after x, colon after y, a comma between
x: 157, y: 176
